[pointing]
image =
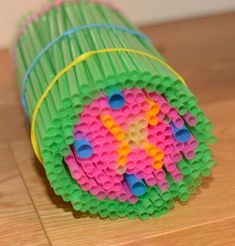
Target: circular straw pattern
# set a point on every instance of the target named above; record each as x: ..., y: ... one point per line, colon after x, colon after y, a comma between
x: 118, y: 134
x: 130, y: 147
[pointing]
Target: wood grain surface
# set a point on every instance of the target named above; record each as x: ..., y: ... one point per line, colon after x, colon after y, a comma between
x: 202, y: 50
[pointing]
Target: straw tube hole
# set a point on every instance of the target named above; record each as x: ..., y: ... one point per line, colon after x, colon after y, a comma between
x: 182, y: 135
x: 138, y: 189
x: 83, y: 148
x: 116, y: 100
x: 136, y: 186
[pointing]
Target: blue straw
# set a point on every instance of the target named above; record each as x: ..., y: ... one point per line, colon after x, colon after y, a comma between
x: 83, y: 148
x: 116, y: 100
x: 136, y: 186
x: 66, y: 34
x: 181, y: 134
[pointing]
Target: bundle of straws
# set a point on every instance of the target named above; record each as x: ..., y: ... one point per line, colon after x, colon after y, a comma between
x: 116, y: 128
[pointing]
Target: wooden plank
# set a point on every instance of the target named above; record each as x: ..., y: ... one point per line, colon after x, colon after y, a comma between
x: 195, y: 40
x: 13, y: 124
x: 201, y: 51
x: 214, y: 200
x: 19, y: 223
x: 217, y: 233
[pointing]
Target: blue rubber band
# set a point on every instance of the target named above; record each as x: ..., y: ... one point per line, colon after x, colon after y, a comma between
x: 65, y: 34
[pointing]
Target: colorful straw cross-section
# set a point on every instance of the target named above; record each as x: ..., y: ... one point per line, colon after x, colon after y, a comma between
x: 117, y: 130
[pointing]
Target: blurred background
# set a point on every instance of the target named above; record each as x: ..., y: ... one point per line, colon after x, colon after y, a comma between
x: 141, y: 12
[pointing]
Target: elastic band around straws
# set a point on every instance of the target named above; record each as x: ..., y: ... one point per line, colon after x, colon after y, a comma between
x: 78, y: 60
x: 66, y: 34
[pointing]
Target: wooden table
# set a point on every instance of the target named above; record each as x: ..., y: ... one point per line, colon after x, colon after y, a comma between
x: 202, y: 50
